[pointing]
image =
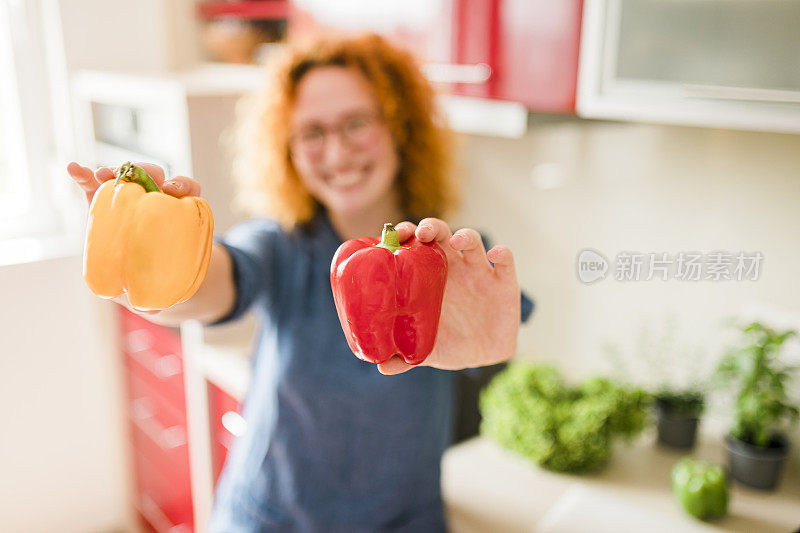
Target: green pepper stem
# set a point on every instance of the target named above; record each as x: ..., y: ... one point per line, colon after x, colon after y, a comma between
x: 134, y: 174
x: 390, y: 239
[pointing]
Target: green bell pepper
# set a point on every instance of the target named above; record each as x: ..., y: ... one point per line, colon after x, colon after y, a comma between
x: 700, y: 487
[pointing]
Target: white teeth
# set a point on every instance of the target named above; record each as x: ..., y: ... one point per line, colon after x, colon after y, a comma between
x: 345, y: 180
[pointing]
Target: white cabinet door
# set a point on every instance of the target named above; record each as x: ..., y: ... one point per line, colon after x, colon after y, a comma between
x: 720, y: 63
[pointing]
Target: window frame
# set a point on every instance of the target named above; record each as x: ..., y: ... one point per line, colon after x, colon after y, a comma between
x: 39, y: 122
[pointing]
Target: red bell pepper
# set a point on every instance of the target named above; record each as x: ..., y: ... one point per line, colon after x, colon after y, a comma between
x: 389, y: 297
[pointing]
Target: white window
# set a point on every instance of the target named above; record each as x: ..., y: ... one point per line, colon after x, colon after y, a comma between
x: 14, y: 192
x: 37, y: 201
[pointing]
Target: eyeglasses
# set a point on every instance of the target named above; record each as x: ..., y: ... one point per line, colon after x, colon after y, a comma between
x: 358, y: 130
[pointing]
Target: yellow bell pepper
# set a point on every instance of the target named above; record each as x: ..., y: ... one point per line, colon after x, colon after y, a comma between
x: 147, y: 243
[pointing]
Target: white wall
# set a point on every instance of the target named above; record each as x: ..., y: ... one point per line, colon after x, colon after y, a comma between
x: 61, y: 447
x: 636, y: 187
x: 120, y: 35
x: 645, y: 188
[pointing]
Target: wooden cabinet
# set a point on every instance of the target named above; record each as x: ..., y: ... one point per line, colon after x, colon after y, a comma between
x: 519, y: 50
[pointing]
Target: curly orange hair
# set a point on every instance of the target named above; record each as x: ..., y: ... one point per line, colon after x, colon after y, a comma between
x: 267, y: 182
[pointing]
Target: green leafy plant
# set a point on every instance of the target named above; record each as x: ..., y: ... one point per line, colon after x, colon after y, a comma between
x: 528, y: 409
x: 763, y: 406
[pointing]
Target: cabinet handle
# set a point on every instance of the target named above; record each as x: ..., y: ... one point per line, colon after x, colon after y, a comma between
x: 167, y: 438
x: 234, y: 423
x: 157, y: 518
x: 138, y: 340
x: 457, y: 73
x: 161, y: 366
x: 139, y: 344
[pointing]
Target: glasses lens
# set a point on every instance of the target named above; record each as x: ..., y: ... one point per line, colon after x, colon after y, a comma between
x: 308, y: 141
x: 359, y: 130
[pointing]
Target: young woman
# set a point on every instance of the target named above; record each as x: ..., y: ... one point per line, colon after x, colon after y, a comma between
x: 344, y: 139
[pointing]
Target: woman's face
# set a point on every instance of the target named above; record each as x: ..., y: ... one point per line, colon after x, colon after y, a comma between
x: 341, y: 147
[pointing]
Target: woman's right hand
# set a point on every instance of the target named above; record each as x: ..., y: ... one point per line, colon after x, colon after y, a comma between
x: 89, y: 181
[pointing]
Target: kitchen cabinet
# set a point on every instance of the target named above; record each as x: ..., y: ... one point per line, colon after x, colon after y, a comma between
x: 530, y: 46
x: 176, y: 462
x: 217, y: 375
x: 173, y: 120
x: 730, y: 63
x: 156, y: 410
x: 225, y: 424
x: 523, y: 51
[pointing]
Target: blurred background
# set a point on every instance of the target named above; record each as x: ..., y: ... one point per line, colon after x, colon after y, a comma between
x: 631, y: 127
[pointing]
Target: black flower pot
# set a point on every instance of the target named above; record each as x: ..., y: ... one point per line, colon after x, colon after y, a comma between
x: 754, y: 466
x: 676, y: 429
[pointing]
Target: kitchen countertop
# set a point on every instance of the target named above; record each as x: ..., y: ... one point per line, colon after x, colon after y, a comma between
x: 488, y: 488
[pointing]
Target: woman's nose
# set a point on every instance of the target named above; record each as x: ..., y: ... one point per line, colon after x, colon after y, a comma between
x: 335, y: 149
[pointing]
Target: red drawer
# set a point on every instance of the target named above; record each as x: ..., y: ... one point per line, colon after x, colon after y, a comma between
x: 165, y: 505
x: 140, y: 385
x: 161, y: 338
x: 225, y: 424
x: 156, y: 351
x: 165, y: 446
x: 161, y: 457
x: 157, y: 416
x: 169, y: 392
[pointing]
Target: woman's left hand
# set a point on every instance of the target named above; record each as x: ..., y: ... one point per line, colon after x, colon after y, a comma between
x: 481, y: 308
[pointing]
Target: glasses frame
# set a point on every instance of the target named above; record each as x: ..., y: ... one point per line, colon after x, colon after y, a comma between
x: 339, y: 129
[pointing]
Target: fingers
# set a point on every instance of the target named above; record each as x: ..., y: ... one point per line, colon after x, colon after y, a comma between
x: 177, y: 186
x: 154, y: 171
x: 82, y: 175
x: 503, y: 261
x: 431, y: 229
x: 405, y: 230
x: 104, y: 174
x: 393, y: 366
x: 469, y: 242
x: 85, y: 178
x: 180, y: 186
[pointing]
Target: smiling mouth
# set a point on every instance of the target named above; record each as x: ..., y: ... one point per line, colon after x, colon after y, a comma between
x: 349, y: 179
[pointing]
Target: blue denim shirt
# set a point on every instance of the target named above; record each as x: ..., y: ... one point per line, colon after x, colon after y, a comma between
x: 331, y: 444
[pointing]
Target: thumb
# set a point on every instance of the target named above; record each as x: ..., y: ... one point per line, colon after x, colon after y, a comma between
x: 393, y: 366
x: 180, y: 186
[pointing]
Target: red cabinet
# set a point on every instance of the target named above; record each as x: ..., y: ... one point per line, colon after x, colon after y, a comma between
x: 156, y: 409
x: 225, y: 423
x: 519, y: 50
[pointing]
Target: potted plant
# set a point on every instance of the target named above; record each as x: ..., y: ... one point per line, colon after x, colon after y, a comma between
x: 530, y: 409
x: 674, y: 371
x: 757, y: 442
x: 678, y: 413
